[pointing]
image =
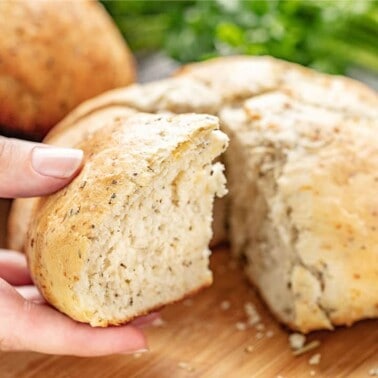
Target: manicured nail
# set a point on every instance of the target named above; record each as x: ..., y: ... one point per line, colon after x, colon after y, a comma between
x: 56, y: 162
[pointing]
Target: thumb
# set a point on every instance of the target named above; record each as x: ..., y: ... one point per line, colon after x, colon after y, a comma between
x: 31, y: 169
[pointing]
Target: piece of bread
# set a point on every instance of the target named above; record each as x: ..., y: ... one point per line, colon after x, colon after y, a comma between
x: 72, y: 130
x: 131, y: 232
x: 53, y: 56
x: 171, y: 95
x: 303, y: 183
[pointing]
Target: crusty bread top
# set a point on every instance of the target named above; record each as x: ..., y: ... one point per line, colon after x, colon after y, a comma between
x: 237, y: 77
x: 177, y: 95
x: 240, y: 77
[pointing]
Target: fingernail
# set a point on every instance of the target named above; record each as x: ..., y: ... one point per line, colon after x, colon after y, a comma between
x: 56, y: 162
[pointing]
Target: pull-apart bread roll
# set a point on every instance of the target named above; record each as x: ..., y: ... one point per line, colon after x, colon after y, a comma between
x: 171, y: 95
x: 303, y: 186
x: 131, y: 232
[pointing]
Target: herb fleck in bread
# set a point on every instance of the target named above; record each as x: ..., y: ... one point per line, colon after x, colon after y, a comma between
x: 131, y: 232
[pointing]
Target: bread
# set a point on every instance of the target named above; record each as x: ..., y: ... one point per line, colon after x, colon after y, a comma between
x: 237, y: 78
x: 50, y: 62
x: 301, y: 168
x: 131, y: 232
x: 171, y: 95
x: 284, y: 121
x: 75, y: 128
x: 303, y: 182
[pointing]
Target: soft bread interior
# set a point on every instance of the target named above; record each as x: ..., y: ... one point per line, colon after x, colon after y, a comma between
x: 154, y: 245
x: 295, y: 172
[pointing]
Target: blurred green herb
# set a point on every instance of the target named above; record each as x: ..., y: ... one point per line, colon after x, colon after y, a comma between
x: 329, y: 35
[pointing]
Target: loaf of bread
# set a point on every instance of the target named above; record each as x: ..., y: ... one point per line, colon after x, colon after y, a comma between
x: 301, y: 167
x: 302, y: 173
x: 302, y: 182
x: 131, y: 232
x: 54, y: 55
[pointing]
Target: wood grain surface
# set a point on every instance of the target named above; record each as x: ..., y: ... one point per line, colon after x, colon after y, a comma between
x: 200, y: 339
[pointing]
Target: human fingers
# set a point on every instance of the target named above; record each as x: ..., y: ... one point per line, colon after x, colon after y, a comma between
x: 25, y: 325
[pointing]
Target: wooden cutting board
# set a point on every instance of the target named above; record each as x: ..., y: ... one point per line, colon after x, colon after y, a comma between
x: 200, y: 339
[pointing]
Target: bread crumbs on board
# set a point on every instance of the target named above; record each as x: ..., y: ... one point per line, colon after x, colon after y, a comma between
x: 315, y: 359
x: 297, y: 341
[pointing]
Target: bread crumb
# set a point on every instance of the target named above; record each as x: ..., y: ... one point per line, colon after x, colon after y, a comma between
x: 185, y: 366
x: 225, y: 305
x: 312, y: 373
x: 297, y: 340
x: 241, y: 326
x: 279, y: 376
x: 137, y: 355
x: 159, y: 322
x: 373, y: 372
x: 252, y: 314
x: 269, y: 334
x: 259, y: 335
x: 315, y: 359
x: 249, y: 348
x: 188, y: 302
x: 312, y: 345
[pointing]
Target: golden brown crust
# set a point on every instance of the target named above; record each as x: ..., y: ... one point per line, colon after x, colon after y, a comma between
x: 50, y: 62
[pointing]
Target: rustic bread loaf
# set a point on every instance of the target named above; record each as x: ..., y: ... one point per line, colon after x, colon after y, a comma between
x: 53, y: 56
x: 303, y: 181
x: 131, y: 232
x: 301, y: 153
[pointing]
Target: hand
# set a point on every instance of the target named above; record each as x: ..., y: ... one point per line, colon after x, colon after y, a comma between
x: 26, y: 321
